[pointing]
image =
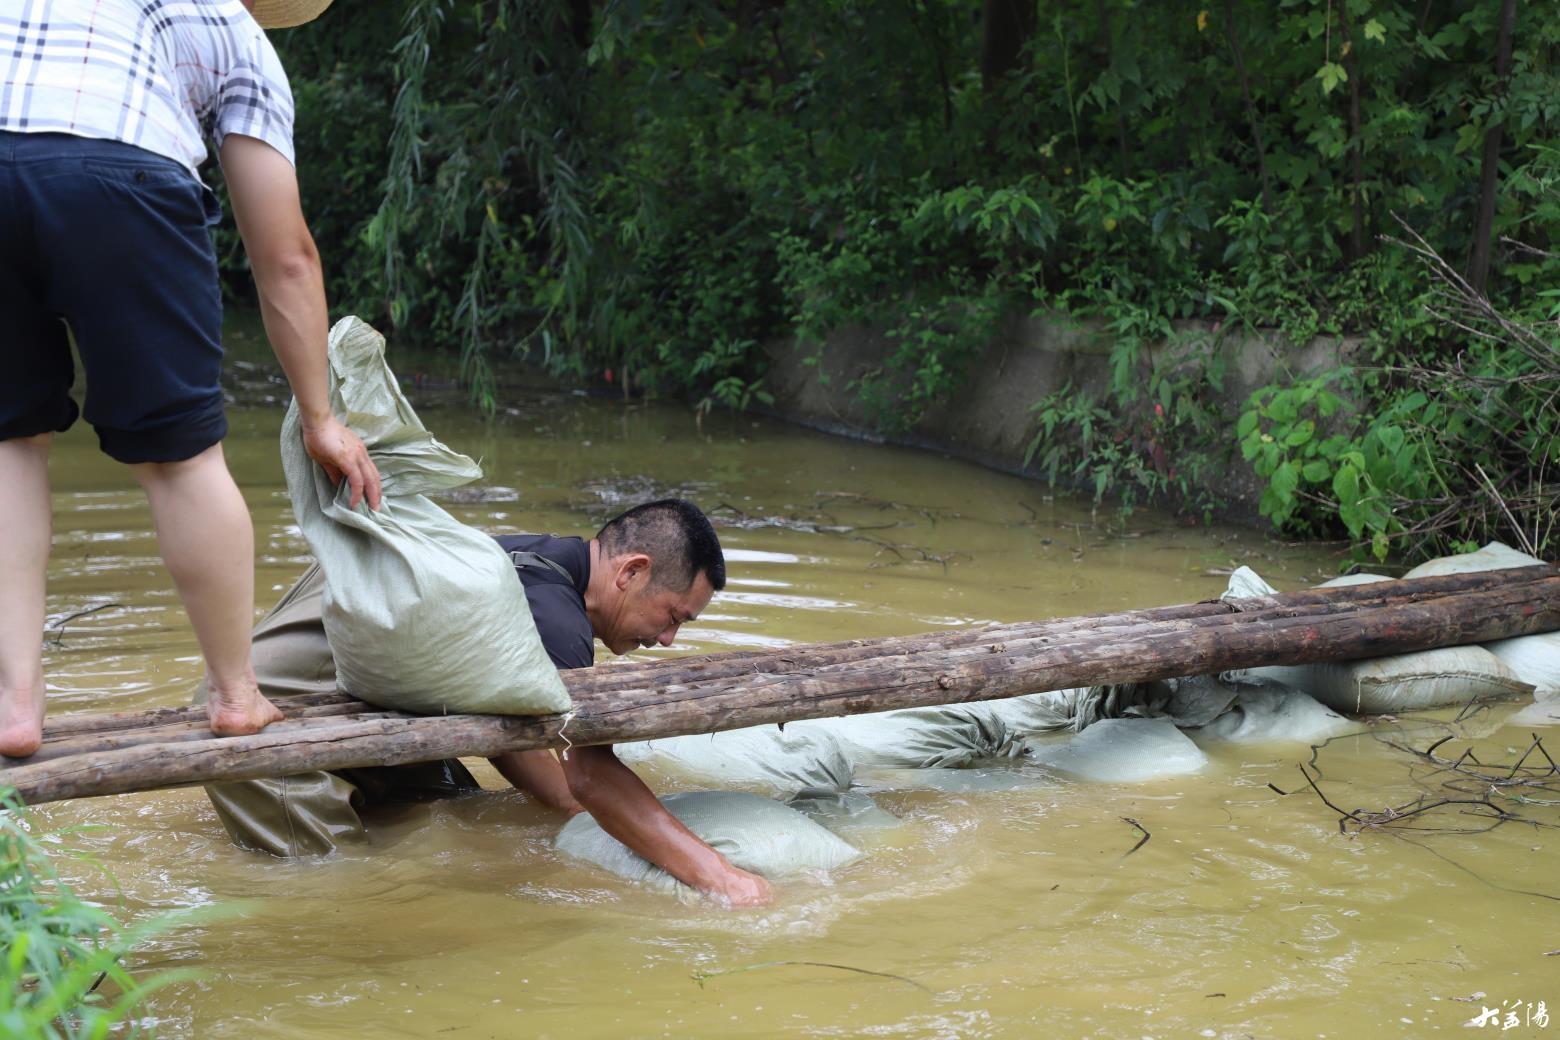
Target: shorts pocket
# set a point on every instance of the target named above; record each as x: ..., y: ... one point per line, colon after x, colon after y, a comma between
x: 148, y: 173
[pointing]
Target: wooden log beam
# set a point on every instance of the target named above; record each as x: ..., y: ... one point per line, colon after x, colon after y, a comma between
x: 641, y: 674
x: 730, y: 691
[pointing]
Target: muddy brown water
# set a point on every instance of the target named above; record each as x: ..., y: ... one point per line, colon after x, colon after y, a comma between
x: 991, y: 913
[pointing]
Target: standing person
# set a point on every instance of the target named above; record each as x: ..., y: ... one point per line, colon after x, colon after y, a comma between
x: 105, y: 109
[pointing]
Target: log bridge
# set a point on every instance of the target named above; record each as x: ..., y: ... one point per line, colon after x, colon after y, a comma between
x: 88, y: 755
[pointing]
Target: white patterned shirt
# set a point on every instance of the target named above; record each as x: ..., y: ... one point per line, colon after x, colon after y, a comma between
x: 163, y: 75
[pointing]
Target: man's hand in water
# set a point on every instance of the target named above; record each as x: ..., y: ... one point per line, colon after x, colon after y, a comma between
x: 738, y: 888
x: 630, y: 812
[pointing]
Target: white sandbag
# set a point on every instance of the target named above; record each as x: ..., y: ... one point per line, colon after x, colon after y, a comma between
x: 852, y: 815
x: 1398, y: 682
x: 1540, y: 713
x: 1254, y: 711
x: 1035, y: 712
x: 917, y: 738
x: 423, y: 613
x: 1534, y: 659
x: 1353, y: 579
x: 1493, y: 557
x: 755, y: 833
x: 782, y: 762
x: 1404, y: 682
x: 1245, y: 583
x: 1073, y: 709
x: 1119, y: 751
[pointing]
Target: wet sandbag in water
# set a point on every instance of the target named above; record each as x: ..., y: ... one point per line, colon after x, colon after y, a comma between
x: 808, y: 768
x: 1077, y: 708
x: 1534, y: 659
x: 1119, y: 751
x: 1394, y: 683
x: 951, y: 736
x: 783, y: 762
x: 755, y: 833
x: 1248, y: 709
x: 853, y: 815
x: 422, y: 612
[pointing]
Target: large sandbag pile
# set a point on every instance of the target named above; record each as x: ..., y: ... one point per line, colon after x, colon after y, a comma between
x: 423, y: 613
x: 1395, y: 683
x: 820, y: 756
x: 973, y: 747
x: 755, y: 833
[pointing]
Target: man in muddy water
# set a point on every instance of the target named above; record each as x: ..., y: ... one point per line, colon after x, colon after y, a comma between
x: 645, y: 574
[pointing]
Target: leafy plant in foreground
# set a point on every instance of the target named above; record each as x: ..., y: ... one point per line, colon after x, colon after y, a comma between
x: 62, y: 975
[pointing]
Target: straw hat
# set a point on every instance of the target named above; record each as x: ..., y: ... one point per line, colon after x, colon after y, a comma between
x: 283, y: 14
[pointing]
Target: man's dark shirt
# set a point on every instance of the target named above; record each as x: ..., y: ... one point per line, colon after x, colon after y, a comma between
x: 557, y: 605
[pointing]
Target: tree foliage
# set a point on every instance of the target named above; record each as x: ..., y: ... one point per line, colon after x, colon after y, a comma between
x: 648, y: 191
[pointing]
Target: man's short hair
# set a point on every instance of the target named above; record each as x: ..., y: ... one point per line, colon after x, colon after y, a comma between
x: 677, y: 537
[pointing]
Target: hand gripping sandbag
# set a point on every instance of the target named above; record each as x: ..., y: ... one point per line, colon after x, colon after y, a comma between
x: 422, y: 612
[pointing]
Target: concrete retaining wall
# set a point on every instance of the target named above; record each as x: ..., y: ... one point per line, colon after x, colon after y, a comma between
x: 988, y: 419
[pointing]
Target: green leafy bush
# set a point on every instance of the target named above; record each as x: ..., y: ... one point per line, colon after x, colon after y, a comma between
x: 62, y: 973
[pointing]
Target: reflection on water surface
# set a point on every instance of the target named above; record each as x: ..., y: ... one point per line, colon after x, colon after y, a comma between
x: 1000, y: 907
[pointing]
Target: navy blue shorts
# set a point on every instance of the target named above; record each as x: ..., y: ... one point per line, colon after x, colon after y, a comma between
x: 113, y: 242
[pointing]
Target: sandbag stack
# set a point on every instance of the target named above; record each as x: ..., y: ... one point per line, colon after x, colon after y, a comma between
x: 1508, y: 669
x: 1128, y: 733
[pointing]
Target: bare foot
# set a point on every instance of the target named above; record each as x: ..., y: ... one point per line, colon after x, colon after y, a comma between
x: 21, y: 721
x: 239, y: 711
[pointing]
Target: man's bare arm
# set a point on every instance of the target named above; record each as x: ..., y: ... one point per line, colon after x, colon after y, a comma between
x: 630, y: 812
x: 538, y: 774
x: 264, y: 190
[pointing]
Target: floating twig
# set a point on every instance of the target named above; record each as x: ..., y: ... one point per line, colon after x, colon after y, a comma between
x: 1141, y: 841
x: 703, y: 976
x: 59, y: 626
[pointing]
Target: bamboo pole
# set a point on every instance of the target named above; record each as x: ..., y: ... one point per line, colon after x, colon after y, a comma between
x: 171, y: 747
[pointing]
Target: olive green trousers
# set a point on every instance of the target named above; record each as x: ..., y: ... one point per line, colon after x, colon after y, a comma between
x: 313, y: 813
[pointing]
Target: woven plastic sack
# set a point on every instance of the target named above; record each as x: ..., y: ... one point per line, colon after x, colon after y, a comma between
x: 1495, y: 556
x: 1073, y: 709
x: 1248, y: 709
x: 1397, y: 682
x: 755, y: 833
x: 950, y: 736
x: 1119, y: 751
x: 422, y: 612
x: 781, y: 762
x: 852, y: 815
x: 1534, y: 659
